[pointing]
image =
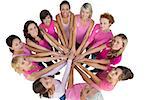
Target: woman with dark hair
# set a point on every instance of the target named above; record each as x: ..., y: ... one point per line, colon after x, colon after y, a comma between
x: 107, y: 80
x: 65, y: 21
x: 50, y: 87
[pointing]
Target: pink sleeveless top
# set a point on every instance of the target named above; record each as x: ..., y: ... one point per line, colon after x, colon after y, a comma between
x: 45, y: 44
x: 103, y: 55
x: 66, y: 26
x: 36, y: 69
x: 104, y: 84
x: 99, y: 37
x: 50, y: 30
x: 81, y: 30
x: 26, y: 52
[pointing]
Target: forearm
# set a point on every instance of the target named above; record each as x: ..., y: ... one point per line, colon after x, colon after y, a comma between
x: 44, y: 54
x: 70, y: 81
x: 37, y: 75
x: 95, y: 78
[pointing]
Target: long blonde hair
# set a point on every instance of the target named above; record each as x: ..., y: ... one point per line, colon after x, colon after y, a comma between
x: 15, y: 64
x: 116, y: 53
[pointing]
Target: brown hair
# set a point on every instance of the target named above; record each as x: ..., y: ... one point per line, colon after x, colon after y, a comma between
x: 126, y: 73
x: 109, y: 17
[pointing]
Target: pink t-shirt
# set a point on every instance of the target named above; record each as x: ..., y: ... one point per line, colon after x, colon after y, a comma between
x: 50, y: 30
x: 36, y: 69
x: 104, y: 84
x: 73, y: 93
x: 26, y: 52
x: 103, y: 55
x: 81, y: 30
x: 99, y: 37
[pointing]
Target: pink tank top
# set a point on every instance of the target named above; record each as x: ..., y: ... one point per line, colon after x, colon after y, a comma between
x: 104, y: 84
x: 99, y: 37
x: 81, y: 30
x: 66, y: 26
x: 103, y: 55
x: 44, y: 44
x: 36, y: 69
x: 50, y: 30
x: 26, y: 52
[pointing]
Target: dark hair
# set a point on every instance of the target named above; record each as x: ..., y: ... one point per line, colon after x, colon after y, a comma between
x: 123, y: 36
x: 45, y: 13
x: 10, y: 39
x: 64, y: 2
x: 109, y: 17
x: 27, y: 35
x: 126, y: 73
x: 39, y: 88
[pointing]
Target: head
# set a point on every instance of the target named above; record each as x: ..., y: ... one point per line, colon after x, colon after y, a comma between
x: 86, y: 11
x: 90, y: 93
x: 20, y: 64
x: 45, y: 17
x: 14, y: 43
x: 120, y: 73
x: 31, y: 30
x: 65, y: 8
x: 106, y: 20
x: 119, y: 42
x: 43, y: 85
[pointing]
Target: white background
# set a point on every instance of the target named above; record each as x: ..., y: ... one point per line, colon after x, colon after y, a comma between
x: 131, y: 18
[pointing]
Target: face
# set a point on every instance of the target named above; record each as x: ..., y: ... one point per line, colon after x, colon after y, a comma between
x: 85, y: 13
x: 16, y: 44
x: 104, y: 22
x: 65, y: 10
x: 33, y: 30
x: 24, y: 63
x: 47, y: 20
x: 115, y: 73
x: 88, y: 91
x: 47, y: 82
x: 117, y: 43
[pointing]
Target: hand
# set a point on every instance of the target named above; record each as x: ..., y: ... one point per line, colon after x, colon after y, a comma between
x: 71, y: 56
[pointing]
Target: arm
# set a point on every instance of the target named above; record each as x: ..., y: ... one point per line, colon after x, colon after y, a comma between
x: 71, y: 29
x: 86, y: 37
x: 66, y: 73
x: 34, y: 49
x: 101, y: 61
x: 37, y: 75
x: 57, y: 44
x: 46, y: 54
x: 64, y: 36
x: 94, y: 50
x: 34, y: 45
x: 71, y: 79
x: 102, y: 67
x: 95, y: 78
x: 61, y: 37
x: 44, y: 59
x: 73, y: 42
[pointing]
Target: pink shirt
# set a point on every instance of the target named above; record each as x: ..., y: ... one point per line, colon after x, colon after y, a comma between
x: 45, y: 44
x: 99, y: 37
x: 50, y: 30
x: 103, y: 55
x: 73, y: 93
x: 104, y: 84
x: 66, y: 26
x: 26, y: 52
x: 81, y: 30
x: 36, y: 69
